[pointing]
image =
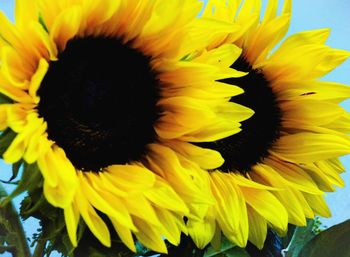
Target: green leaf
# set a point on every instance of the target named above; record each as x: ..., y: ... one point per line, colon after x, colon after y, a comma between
x: 225, y: 245
x: 11, y: 230
x: 15, y: 169
x: 4, y: 99
x: 31, y: 178
x: 42, y: 23
x: 236, y: 252
x: 334, y: 241
x: 301, y: 236
x: 288, y: 237
x: 6, y: 139
x: 7, y: 248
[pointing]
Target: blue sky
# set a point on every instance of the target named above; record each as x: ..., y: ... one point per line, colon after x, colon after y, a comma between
x: 307, y: 15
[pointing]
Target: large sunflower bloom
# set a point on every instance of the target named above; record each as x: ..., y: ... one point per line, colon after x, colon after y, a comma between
x: 101, y: 92
x: 278, y: 167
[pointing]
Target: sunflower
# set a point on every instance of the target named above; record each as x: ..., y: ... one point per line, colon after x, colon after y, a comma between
x: 105, y: 97
x: 278, y: 167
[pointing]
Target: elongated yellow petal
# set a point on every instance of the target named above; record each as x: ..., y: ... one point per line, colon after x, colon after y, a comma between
x: 318, y: 205
x: 124, y: 234
x: 164, y: 196
x: 176, y: 174
x: 150, y: 236
x: 231, y: 208
x: 206, y: 158
x: 171, y: 229
x: 140, y: 207
x: 25, y: 12
x: 295, y: 176
x: 71, y: 216
x: 130, y: 178
x: 314, y: 90
x: 105, y: 202
x: 304, y: 111
x: 309, y: 147
x: 266, y: 205
x: 37, y: 79
x: 13, y: 68
x: 257, y: 228
x: 92, y: 219
x: 266, y: 174
x: 202, y: 232
x: 66, y: 26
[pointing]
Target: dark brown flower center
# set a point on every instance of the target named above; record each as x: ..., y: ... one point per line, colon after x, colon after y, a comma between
x: 248, y: 147
x: 99, y: 101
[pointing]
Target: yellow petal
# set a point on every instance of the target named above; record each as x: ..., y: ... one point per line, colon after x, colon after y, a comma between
x: 37, y: 145
x: 124, y: 234
x: 179, y: 177
x: 214, y: 131
x: 150, y: 236
x: 202, y: 232
x: 60, y: 180
x: 105, y: 201
x: 268, y: 175
x: 266, y: 205
x: 306, y: 37
x: 8, y: 31
x: 139, y: 206
x: 224, y: 56
x: 304, y: 111
x: 231, y: 209
x: 25, y: 12
x: 164, y: 196
x: 14, y: 69
x: 171, y: 229
x: 92, y: 219
x: 18, y: 146
x: 98, y: 12
x: 130, y: 178
x: 318, y: 205
x: 294, y: 176
x: 330, y: 171
x: 257, y: 228
x: 57, y: 196
x: 310, y: 147
x: 314, y: 90
x: 37, y: 79
x: 66, y: 26
x: 206, y: 158
x: 265, y: 38
x: 3, y: 116
x: 71, y: 217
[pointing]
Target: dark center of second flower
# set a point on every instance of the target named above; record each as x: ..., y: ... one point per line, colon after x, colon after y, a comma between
x: 248, y: 147
x: 99, y: 101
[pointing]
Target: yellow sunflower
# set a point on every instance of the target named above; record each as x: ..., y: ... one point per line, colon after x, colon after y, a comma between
x: 103, y: 95
x: 278, y: 167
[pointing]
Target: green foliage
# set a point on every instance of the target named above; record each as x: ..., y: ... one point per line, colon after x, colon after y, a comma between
x: 6, y: 139
x: 227, y: 249
x: 12, y: 237
x: 30, y: 180
x: 52, y: 235
x: 56, y: 236
x: 42, y: 23
x: 316, y: 229
x: 301, y: 236
x: 288, y: 237
x: 334, y: 241
x: 16, y: 167
x: 4, y: 99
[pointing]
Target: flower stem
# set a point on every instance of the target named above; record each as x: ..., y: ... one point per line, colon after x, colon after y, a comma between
x: 11, y: 225
x: 39, y: 248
